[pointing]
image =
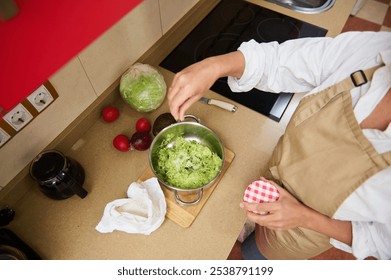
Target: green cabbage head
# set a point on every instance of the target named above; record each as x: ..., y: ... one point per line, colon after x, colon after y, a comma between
x: 142, y: 87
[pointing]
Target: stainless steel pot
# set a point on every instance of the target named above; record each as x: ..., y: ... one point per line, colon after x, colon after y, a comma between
x: 189, y: 131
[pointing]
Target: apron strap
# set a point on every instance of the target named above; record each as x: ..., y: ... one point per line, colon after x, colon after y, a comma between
x: 308, y: 108
x: 387, y: 157
x: 356, y: 79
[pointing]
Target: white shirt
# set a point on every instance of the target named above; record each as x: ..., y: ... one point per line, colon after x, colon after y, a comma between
x: 312, y: 64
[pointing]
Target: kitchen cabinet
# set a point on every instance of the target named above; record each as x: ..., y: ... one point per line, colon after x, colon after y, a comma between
x: 44, y: 35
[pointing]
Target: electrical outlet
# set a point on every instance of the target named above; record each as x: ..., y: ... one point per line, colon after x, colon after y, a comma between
x: 18, y: 117
x: 4, y: 137
x: 40, y: 98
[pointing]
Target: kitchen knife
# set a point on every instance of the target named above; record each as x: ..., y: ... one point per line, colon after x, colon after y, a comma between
x: 222, y: 104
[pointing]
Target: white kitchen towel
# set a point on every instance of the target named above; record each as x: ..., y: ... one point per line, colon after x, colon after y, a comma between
x: 142, y: 212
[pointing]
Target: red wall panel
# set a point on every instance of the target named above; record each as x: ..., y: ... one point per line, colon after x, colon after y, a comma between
x: 46, y: 34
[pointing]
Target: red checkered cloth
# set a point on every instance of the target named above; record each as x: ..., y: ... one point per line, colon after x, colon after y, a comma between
x: 261, y: 191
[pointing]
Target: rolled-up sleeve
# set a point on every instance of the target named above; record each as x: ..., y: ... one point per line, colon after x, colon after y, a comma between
x: 277, y: 67
x: 254, y: 55
x: 306, y: 64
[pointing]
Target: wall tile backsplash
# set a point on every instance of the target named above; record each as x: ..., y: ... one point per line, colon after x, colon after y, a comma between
x: 122, y: 45
x: 86, y: 76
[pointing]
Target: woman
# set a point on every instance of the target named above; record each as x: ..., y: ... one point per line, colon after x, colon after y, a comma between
x: 332, y: 165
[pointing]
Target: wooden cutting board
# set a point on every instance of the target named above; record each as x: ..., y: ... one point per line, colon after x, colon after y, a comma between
x: 185, y: 215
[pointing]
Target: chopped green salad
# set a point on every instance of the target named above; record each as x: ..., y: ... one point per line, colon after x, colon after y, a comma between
x: 187, y: 164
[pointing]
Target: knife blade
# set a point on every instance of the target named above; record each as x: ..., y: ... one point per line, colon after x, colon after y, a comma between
x: 219, y: 103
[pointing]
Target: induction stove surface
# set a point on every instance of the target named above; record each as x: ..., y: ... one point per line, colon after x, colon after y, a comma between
x: 229, y: 24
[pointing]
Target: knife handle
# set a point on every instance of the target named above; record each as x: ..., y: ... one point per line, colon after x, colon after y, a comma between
x: 223, y: 105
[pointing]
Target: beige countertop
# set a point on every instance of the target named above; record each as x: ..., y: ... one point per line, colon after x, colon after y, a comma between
x: 66, y: 229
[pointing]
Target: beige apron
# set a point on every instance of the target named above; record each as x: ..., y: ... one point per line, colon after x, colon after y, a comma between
x: 321, y: 159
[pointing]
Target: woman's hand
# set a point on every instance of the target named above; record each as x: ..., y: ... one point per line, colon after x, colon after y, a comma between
x: 287, y: 212
x: 283, y: 214
x: 189, y: 85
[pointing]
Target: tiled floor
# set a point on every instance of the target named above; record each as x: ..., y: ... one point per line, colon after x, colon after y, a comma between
x: 375, y: 15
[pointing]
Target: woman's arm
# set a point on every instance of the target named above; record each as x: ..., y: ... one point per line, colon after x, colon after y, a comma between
x: 288, y: 212
x: 308, y: 64
x: 191, y: 83
x: 299, y: 65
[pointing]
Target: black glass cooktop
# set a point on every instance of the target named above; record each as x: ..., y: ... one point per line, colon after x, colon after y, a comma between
x: 229, y: 24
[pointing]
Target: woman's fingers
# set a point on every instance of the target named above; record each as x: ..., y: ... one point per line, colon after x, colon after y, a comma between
x: 180, y: 99
x: 263, y: 207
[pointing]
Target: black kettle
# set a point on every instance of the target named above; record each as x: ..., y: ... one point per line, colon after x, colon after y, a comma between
x: 58, y: 176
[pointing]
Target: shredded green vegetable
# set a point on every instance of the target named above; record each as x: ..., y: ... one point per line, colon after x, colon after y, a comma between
x: 187, y: 164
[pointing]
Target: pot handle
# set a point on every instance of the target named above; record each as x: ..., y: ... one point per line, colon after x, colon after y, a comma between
x: 185, y: 203
x: 192, y: 117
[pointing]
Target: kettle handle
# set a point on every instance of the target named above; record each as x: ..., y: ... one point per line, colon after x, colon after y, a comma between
x: 75, y: 186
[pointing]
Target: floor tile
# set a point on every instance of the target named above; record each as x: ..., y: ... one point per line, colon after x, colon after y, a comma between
x: 373, y: 11
x: 387, y: 19
x: 359, y: 24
